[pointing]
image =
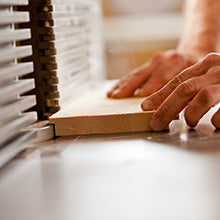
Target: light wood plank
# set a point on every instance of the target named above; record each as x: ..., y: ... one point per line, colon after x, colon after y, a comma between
x: 95, y: 114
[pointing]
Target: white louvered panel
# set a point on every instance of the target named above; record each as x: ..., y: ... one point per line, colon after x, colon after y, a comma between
x: 10, y: 90
x: 13, y: 127
x: 15, y: 146
x: 14, y: 17
x: 15, y: 107
x: 9, y: 53
x: 74, y: 29
x: 10, y: 36
x: 13, y: 2
x: 13, y: 104
x: 11, y: 71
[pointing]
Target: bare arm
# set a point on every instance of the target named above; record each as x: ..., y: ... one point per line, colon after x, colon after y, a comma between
x: 202, y: 28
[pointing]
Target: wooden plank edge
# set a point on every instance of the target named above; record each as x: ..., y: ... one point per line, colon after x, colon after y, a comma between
x: 114, y: 123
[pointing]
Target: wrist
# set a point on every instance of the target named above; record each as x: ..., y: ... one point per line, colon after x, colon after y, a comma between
x: 195, y: 52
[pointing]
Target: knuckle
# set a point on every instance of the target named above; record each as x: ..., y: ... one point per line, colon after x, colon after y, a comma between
x: 163, y: 111
x: 177, y: 80
x: 216, y: 120
x: 186, y: 88
x: 161, y: 95
x: 158, y: 97
x: 215, y: 72
x: 191, y: 117
x: 206, y: 96
x: 157, y: 56
x: 174, y: 55
x: 211, y: 57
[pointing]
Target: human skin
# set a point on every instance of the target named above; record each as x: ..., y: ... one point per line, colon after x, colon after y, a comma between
x: 199, y: 39
x: 196, y: 88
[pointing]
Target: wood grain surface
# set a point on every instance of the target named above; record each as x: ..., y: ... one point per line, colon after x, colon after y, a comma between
x: 95, y: 114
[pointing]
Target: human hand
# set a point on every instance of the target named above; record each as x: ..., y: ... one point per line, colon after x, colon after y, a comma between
x: 197, y: 88
x: 151, y: 76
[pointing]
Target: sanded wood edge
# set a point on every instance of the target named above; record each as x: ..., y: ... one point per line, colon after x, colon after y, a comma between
x: 105, y: 124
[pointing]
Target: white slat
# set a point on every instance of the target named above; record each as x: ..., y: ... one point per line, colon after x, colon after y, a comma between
x: 13, y: 127
x: 15, y: 70
x: 13, y: 147
x: 8, y: 36
x: 14, y: 108
x: 13, y: 2
x: 14, y: 17
x: 6, y: 54
x: 11, y: 90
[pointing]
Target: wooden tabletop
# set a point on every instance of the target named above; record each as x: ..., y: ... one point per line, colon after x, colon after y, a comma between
x: 171, y: 175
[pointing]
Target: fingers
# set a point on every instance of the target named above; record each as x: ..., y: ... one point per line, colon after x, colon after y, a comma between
x: 173, y: 63
x: 206, y: 98
x: 126, y: 86
x: 200, y: 68
x: 181, y: 96
x: 152, y: 85
x: 216, y: 119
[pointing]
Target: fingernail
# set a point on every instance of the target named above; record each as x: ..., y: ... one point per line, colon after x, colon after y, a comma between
x: 147, y: 105
x: 115, y: 93
x: 156, y: 124
x: 109, y: 93
x: 138, y: 92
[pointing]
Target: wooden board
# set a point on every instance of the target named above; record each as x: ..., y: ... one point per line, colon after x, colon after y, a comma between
x: 95, y: 114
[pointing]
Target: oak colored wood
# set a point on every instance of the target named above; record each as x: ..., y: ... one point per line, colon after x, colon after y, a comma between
x: 95, y: 114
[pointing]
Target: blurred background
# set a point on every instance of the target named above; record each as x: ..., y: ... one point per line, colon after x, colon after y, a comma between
x: 135, y: 29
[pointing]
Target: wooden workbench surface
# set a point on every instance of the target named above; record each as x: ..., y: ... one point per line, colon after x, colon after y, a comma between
x: 171, y: 175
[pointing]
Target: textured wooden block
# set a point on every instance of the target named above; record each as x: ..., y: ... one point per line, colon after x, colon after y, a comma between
x: 96, y: 114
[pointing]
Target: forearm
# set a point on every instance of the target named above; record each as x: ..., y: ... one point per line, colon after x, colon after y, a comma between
x: 202, y: 28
